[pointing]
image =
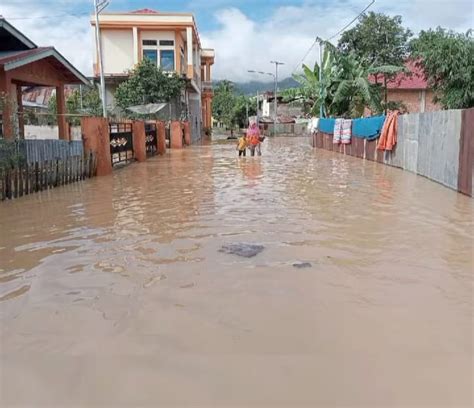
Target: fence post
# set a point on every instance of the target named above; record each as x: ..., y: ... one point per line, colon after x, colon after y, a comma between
x: 139, y: 142
x: 176, y: 135
x: 161, y: 137
x: 96, y: 137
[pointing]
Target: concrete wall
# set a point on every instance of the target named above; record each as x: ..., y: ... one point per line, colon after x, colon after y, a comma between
x: 437, y: 145
x: 33, y: 132
x: 117, y: 50
x: 415, y: 100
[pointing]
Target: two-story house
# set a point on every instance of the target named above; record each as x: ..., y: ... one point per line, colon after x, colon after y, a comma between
x: 171, y: 40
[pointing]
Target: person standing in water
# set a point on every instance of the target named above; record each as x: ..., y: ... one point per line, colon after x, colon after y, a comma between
x: 242, y: 145
x: 253, y: 138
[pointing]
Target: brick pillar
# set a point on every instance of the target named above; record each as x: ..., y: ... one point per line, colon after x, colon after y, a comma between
x: 61, y: 110
x: 161, y: 137
x: 5, y: 93
x: 187, y: 133
x: 176, y: 135
x: 139, y: 143
x: 96, y: 137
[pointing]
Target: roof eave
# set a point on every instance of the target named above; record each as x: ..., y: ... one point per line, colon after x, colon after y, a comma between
x: 13, y: 31
x: 44, y: 54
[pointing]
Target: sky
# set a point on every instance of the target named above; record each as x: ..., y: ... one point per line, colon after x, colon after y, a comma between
x: 246, y: 34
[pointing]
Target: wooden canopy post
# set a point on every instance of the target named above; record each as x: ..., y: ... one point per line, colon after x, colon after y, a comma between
x: 61, y: 111
x: 21, y: 118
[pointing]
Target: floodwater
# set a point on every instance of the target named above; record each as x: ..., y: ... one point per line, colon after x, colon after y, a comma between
x: 113, y: 291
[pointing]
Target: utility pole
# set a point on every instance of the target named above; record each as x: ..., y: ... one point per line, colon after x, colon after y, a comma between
x: 247, y: 111
x: 99, y: 6
x: 258, y: 105
x: 275, y: 103
x: 321, y: 74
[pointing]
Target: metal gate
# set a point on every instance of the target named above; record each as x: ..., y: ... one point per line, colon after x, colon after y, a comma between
x: 121, y: 143
x: 150, y: 139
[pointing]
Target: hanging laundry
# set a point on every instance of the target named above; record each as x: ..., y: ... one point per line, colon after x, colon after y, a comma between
x: 337, y: 131
x: 368, y: 128
x: 346, y: 131
x: 326, y: 125
x: 388, y: 137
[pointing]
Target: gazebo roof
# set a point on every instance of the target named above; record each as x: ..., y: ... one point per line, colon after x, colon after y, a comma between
x: 16, y: 50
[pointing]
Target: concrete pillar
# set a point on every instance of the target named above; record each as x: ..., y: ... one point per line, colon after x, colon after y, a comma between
x: 176, y: 135
x: 135, y: 45
x: 208, y: 71
x: 61, y: 111
x: 139, y: 142
x: 96, y: 138
x: 187, y: 133
x: 161, y: 137
x: 190, y: 51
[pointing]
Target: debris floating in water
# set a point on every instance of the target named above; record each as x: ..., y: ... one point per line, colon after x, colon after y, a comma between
x: 241, y: 249
x: 153, y: 280
x: 301, y: 265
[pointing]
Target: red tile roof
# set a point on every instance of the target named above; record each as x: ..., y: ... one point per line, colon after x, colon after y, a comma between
x: 414, y: 79
x: 5, y: 58
x: 144, y: 11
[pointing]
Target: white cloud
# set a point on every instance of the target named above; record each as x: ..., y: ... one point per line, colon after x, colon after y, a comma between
x: 242, y: 43
x: 71, y: 35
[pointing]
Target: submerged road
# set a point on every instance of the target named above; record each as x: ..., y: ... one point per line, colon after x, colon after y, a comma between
x: 113, y: 291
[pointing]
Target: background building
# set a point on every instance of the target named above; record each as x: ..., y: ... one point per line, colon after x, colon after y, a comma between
x: 169, y: 39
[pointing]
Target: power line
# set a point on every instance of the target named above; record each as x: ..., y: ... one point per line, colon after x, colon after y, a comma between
x: 349, y: 24
x: 307, y: 53
x: 334, y: 36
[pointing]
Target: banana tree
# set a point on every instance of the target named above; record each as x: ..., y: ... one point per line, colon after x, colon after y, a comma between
x: 315, y: 91
x: 354, y: 91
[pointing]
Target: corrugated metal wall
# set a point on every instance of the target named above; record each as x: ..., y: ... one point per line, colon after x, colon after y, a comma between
x: 42, y: 150
x: 437, y: 145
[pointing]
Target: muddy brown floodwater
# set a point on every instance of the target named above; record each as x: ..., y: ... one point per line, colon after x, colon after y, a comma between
x: 113, y: 291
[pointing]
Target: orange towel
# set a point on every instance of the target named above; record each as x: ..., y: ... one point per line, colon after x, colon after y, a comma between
x: 388, y: 137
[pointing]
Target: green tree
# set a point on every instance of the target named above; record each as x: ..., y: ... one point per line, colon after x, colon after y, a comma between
x: 314, y: 92
x: 447, y: 59
x: 354, y: 92
x: 223, y: 103
x: 377, y: 40
x: 242, y: 105
x: 344, y: 88
x: 91, y: 105
x: 148, y: 84
x: 230, y: 108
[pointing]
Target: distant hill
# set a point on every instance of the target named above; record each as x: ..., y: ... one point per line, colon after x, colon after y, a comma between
x: 251, y: 88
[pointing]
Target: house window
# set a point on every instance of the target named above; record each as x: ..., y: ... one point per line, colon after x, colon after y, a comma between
x: 167, y: 60
x: 160, y: 52
x: 152, y: 55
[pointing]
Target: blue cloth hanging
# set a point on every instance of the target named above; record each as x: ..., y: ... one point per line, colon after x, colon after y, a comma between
x: 326, y: 125
x: 368, y: 128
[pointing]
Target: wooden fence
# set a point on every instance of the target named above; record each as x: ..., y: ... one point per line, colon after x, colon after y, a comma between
x: 28, y: 178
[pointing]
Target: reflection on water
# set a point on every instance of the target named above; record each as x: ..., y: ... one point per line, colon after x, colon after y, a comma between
x: 113, y: 290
